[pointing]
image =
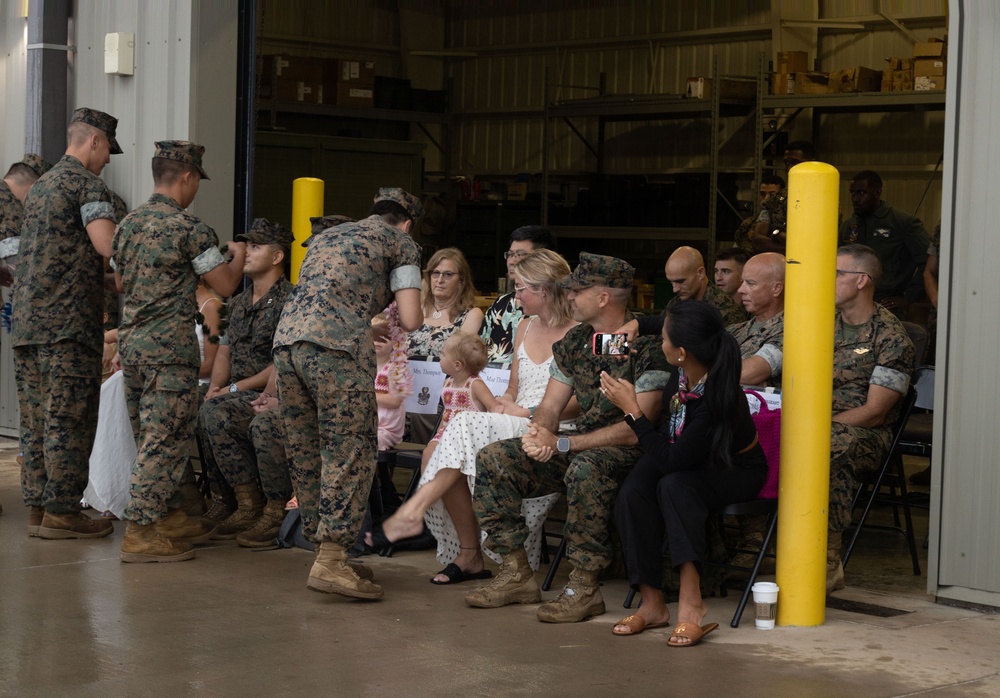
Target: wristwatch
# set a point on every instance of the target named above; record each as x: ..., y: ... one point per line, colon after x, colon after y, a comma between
x: 233, y: 388
x: 562, y: 444
x: 630, y: 419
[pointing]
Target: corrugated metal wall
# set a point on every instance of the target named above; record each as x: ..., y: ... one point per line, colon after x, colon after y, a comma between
x: 963, y: 562
x: 636, y: 45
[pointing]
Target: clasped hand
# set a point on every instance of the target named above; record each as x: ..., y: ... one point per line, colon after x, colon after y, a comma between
x: 539, y: 443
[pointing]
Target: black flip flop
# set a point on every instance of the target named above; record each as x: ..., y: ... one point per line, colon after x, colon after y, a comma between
x: 456, y: 575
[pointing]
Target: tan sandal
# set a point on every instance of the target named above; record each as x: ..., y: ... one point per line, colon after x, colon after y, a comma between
x: 636, y: 624
x: 692, y: 632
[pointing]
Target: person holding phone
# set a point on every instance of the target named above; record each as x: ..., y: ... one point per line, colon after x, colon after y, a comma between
x: 703, y: 457
x: 587, y: 466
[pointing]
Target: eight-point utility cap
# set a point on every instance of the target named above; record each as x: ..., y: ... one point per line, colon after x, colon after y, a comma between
x: 321, y: 223
x: 264, y: 232
x: 599, y: 270
x: 99, y: 119
x: 182, y: 151
x: 36, y: 162
x: 403, y: 198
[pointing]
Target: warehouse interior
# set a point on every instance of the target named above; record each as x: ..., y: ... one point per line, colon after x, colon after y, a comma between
x: 575, y: 115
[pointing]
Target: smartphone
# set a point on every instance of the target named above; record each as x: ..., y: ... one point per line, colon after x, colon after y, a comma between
x: 610, y: 344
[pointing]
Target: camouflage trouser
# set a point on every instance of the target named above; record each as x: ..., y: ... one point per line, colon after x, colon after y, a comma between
x: 162, y: 406
x: 58, y: 391
x: 272, y: 463
x: 590, y: 481
x: 330, y: 419
x: 224, y: 422
x: 854, y: 453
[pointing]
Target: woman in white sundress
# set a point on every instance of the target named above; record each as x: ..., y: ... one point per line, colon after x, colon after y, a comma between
x: 444, y: 499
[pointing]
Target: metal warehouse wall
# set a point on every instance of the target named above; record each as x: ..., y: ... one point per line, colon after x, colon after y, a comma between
x: 965, y: 510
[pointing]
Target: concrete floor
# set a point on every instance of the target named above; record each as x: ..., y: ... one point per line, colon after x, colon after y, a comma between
x: 74, y: 620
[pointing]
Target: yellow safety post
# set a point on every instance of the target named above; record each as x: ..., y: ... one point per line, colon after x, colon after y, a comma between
x: 307, y: 202
x: 807, y: 393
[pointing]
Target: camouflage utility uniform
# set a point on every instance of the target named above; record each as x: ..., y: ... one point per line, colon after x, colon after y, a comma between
x: 268, y: 437
x: 764, y: 339
x: 324, y: 356
x: 225, y: 420
x: 11, y: 216
x: 58, y: 333
x: 160, y: 251
x: 590, y: 479
x: 877, y: 353
x: 774, y: 211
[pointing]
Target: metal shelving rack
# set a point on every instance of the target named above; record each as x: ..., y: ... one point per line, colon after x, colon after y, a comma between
x: 623, y: 108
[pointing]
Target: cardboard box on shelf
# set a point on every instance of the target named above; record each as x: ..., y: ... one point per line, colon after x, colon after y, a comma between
x: 812, y: 83
x: 701, y: 88
x: 347, y: 95
x: 929, y: 66
x: 926, y: 83
x: 792, y: 62
x: 899, y: 63
x: 930, y: 49
x: 290, y: 78
x: 782, y: 84
x: 859, y: 79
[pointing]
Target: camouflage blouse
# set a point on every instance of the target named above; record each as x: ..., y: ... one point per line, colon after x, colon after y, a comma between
x: 160, y: 251
x: 349, y: 275
x: 60, y: 289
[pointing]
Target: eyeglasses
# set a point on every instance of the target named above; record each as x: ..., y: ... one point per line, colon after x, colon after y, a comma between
x: 516, y: 254
x: 446, y: 275
x: 841, y: 272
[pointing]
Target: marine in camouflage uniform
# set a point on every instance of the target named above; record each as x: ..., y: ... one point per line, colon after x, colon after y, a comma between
x: 878, y: 353
x: 764, y: 339
x: 505, y: 474
x: 224, y: 420
x: 324, y: 356
x: 57, y: 326
x: 160, y: 252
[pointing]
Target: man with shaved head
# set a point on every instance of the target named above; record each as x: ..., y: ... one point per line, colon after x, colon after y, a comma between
x: 685, y: 271
x: 761, y: 337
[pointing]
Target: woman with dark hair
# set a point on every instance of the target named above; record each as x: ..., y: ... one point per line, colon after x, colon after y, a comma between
x: 704, y: 457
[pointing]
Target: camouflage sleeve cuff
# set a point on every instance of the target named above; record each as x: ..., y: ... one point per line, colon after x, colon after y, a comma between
x: 651, y: 380
x: 404, y: 277
x: 96, y: 210
x: 9, y: 247
x: 891, y: 379
x: 207, y: 261
x: 772, y: 355
x: 556, y: 373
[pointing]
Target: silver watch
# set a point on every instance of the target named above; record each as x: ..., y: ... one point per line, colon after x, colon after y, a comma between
x: 233, y: 388
x: 562, y: 444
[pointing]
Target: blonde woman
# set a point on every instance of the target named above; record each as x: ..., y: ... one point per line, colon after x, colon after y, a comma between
x: 444, y: 499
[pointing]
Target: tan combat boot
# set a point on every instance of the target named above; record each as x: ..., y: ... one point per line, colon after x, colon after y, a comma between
x: 146, y: 544
x: 579, y: 600
x: 220, y: 509
x: 193, y: 503
x: 249, y: 507
x: 834, y: 566
x: 331, y: 574
x: 72, y: 525
x: 179, y: 527
x: 264, y: 532
x: 515, y: 583
x: 35, y: 515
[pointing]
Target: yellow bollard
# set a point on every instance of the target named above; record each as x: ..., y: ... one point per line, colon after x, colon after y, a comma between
x: 307, y: 202
x: 807, y: 393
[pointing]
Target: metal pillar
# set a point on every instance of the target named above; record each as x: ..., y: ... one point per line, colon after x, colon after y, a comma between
x: 47, y: 111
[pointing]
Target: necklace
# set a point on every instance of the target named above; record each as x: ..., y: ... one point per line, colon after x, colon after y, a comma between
x: 437, y: 311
